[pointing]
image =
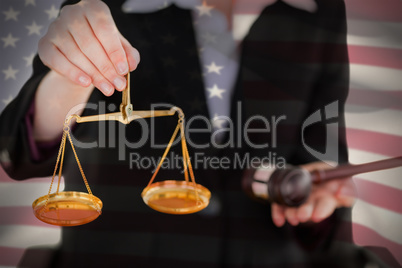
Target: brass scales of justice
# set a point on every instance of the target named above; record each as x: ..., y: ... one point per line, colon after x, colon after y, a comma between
x: 170, y: 196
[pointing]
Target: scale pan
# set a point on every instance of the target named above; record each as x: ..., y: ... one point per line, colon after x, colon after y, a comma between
x: 67, y: 208
x: 176, y: 197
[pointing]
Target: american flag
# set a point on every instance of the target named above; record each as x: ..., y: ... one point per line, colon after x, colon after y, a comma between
x: 373, y: 114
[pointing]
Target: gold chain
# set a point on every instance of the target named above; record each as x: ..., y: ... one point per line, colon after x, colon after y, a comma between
x: 164, y: 154
x: 59, y: 165
x: 61, y: 151
x: 186, y: 157
x: 82, y: 174
x: 183, y: 148
x: 79, y: 164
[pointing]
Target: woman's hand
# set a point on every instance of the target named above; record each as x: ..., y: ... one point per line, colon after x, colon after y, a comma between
x: 85, y: 46
x: 322, y: 202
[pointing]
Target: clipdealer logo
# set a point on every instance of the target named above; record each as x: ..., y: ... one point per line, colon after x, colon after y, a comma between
x: 202, y: 161
x: 327, y: 116
x: 114, y: 135
x: 117, y: 138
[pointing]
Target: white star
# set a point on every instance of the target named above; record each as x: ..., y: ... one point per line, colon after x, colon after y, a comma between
x: 5, y: 158
x: 10, y: 73
x: 11, y: 14
x: 209, y: 38
x: 213, y: 68
x: 164, y: 5
x: 29, y: 59
x: 30, y: 2
x: 204, y: 9
x: 52, y: 12
x: 215, y: 92
x: 218, y: 121
x: 8, y: 100
x: 34, y: 28
x: 9, y: 40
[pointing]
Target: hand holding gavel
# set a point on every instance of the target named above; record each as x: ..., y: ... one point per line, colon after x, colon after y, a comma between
x: 292, y: 186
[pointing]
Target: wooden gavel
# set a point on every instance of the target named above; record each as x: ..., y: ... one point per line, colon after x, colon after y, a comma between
x: 291, y: 186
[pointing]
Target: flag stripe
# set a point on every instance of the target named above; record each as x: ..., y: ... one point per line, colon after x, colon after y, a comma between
x: 375, y: 77
x: 23, y: 194
x: 380, y: 143
x: 21, y: 216
x: 23, y: 236
x: 374, y: 120
x: 385, y: 10
x: 10, y: 256
x: 388, y: 177
x: 241, y: 25
x: 373, y: 217
x: 379, y: 195
x: 361, y: 33
x: 365, y: 236
x: 374, y: 33
x: 375, y: 98
x: 385, y: 57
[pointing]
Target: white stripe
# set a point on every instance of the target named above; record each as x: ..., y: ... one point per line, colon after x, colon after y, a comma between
x: 388, y: 177
x: 23, y: 194
x: 23, y: 236
x: 386, y: 223
x: 375, y: 77
x: 374, y: 119
x: 241, y: 25
x: 374, y: 33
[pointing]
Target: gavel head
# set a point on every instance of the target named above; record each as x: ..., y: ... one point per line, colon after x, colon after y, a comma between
x: 290, y: 186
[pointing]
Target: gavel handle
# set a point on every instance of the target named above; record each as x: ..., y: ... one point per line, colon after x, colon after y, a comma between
x: 348, y: 170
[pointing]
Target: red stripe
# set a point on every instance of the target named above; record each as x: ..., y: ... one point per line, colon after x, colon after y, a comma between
x: 376, y: 98
x: 383, y: 10
x: 20, y: 216
x: 384, y: 57
x: 379, y: 195
x: 4, y: 177
x: 10, y: 256
x: 363, y: 235
x: 375, y: 142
